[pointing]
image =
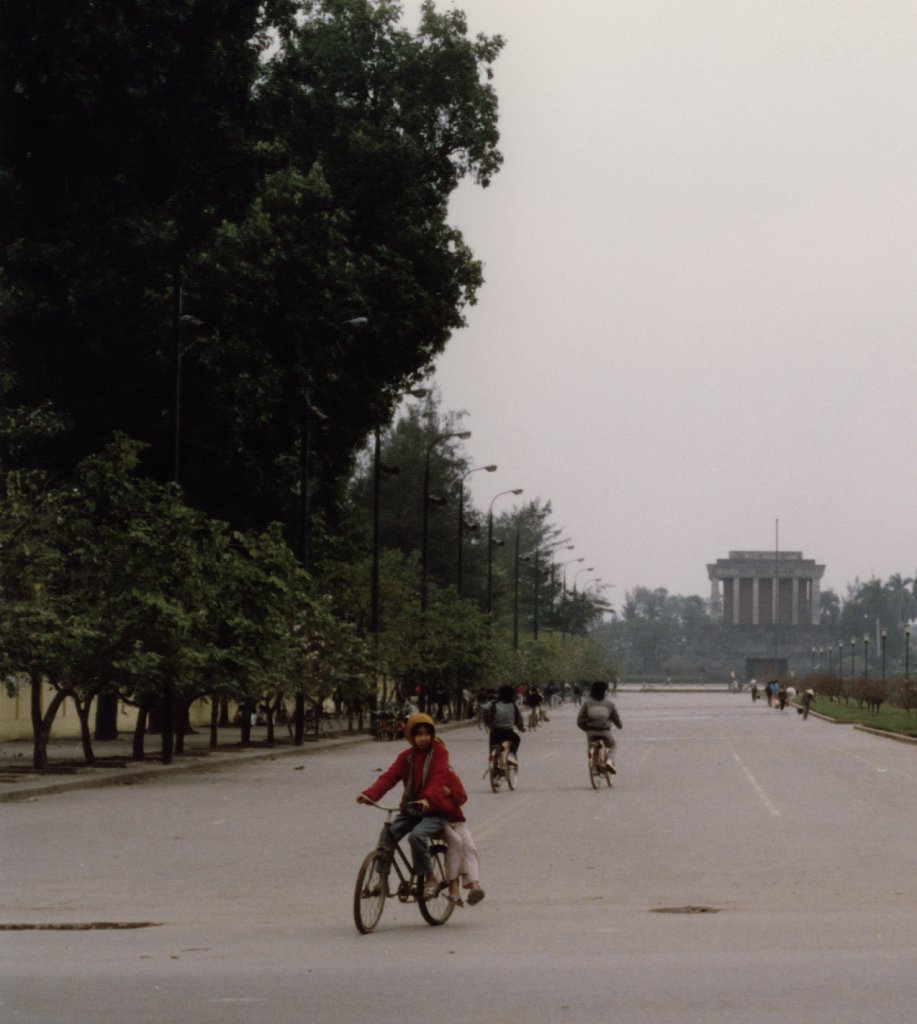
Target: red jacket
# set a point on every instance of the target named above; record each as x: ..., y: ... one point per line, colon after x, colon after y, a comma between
x: 450, y: 806
x: 413, y: 761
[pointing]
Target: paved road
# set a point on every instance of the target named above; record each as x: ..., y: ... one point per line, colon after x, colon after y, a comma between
x: 798, y: 840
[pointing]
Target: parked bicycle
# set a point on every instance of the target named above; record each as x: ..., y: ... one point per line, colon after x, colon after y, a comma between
x: 598, y: 764
x: 501, y: 767
x: 375, y: 883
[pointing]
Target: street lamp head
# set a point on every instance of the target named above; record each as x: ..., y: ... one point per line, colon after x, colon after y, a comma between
x: 516, y: 490
x: 491, y: 469
x: 419, y: 392
x: 464, y: 435
x: 355, y: 321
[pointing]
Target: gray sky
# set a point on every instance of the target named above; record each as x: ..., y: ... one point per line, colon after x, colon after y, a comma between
x: 700, y: 300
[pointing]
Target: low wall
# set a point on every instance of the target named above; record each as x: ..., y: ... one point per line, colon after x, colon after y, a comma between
x: 16, y: 718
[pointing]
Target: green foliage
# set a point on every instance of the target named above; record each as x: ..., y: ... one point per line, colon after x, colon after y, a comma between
x: 275, y: 174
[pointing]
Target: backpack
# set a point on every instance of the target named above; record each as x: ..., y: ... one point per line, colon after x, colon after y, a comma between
x: 597, y: 717
x: 488, y: 713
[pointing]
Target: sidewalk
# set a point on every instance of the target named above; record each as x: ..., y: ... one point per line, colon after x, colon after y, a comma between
x: 68, y: 770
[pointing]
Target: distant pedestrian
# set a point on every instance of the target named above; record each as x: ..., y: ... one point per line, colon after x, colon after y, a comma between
x: 753, y: 686
x: 781, y: 697
x: 807, y: 700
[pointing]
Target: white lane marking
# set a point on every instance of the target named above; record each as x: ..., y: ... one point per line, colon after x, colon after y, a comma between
x: 757, y: 785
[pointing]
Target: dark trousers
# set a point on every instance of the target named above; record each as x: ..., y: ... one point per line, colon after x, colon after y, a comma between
x: 497, y: 736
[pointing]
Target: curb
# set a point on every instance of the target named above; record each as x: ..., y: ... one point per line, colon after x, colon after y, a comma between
x: 101, y: 778
x: 887, y: 735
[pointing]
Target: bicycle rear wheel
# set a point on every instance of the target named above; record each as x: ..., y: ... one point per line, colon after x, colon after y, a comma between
x: 511, y: 775
x: 439, y: 909
x: 370, y: 892
x: 593, y: 769
x: 496, y: 776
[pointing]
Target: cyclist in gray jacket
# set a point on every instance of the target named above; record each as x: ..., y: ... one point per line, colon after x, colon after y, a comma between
x: 502, y: 716
x: 596, y: 717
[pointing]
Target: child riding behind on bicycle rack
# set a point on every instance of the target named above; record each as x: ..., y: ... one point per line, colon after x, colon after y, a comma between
x: 461, y: 853
x: 422, y: 768
x: 501, y: 716
x: 596, y: 717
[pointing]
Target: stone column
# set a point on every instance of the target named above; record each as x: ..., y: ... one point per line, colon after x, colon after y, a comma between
x: 755, y: 596
x: 795, y: 612
x: 815, y: 590
x: 735, y: 601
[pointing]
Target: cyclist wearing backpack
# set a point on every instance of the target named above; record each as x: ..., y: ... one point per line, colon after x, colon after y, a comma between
x: 596, y: 717
x: 502, y: 717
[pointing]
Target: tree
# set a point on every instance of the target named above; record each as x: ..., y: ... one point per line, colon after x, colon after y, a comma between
x: 94, y: 235
x: 276, y: 190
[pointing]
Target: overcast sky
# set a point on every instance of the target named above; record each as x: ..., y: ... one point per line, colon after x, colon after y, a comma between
x: 700, y: 308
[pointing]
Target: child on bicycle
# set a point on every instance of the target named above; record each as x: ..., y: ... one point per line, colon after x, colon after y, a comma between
x: 596, y: 717
x: 422, y: 768
x: 461, y: 853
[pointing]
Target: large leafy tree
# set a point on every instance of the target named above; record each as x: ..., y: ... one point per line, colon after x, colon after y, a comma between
x: 162, y: 159
x: 127, y: 136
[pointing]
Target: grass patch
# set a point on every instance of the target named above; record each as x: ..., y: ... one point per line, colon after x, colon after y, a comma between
x: 889, y: 718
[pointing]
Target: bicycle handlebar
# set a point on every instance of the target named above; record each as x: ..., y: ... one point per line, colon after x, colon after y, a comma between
x: 394, y: 810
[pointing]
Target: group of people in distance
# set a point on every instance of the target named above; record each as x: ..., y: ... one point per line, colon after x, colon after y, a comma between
x: 779, y: 695
x: 433, y: 795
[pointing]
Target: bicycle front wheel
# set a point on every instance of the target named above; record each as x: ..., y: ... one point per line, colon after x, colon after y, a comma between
x: 593, y: 769
x: 511, y: 775
x: 370, y: 892
x: 439, y: 909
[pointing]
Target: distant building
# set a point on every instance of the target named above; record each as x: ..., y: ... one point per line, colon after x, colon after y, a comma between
x: 766, y: 611
x: 763, y: 588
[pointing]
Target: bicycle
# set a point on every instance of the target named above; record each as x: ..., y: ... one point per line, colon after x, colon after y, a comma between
x: 500, y: 767
x: 598, y: 763
x: 534, y: 718
x: 373, y: 883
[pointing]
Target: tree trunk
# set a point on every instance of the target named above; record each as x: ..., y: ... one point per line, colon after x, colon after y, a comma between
x: 299, y: 719
x: 183, y: 725
x: 82, y: 711
x: 143, y: 710
x: 41, y: 723
x: 217, y: 707
x: 106, y: 717
x: 40, y: 732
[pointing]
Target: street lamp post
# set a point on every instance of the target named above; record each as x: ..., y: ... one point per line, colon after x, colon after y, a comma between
x: 425, y: 512
x: 565, y: 547
x: 883, y: 638
x: 461, y: 520
x: 591, y: 568
x: 516, y: 593
x: 563, y: 595
x: 840, y: 660
x: 380, y: 470
x: 853, y: 658
x: 490, y: 548
x: 866, y: 658
x: 907, y: 653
